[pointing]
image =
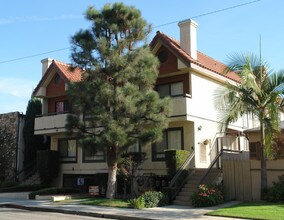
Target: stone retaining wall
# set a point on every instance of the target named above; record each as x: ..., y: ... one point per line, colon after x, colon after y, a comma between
x: 10, y: 140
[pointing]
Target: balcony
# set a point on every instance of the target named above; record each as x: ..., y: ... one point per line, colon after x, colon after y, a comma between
x: 50, y: 124
x: 179, y: 107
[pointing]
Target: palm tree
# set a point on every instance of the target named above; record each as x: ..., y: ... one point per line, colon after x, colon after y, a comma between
x: 260, y: 93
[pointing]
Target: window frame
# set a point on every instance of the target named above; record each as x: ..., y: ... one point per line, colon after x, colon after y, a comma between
x: 154, y: 145
x: 254, y: 155
x: 139, y: 148
x: 92, y: 161
x: 66, y: 106
x: 76, y: 150
x: 169, y: 84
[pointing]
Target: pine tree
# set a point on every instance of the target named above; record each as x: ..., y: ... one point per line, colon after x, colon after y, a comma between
x: 116, y: 93
x: 33, y: 143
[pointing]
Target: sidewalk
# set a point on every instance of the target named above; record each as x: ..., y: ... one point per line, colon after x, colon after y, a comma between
x: 166, y: 213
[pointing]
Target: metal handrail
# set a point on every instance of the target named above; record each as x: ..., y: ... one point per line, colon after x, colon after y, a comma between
x: 28, y: 167
x: 184, y: 165
x: 215, y: 161
x: 212, y: 144
x: 173, y: 183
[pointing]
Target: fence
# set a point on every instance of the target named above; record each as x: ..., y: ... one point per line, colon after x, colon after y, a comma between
x: 242, y: 177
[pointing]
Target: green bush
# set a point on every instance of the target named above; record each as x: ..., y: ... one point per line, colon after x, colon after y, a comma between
x: 8, y: 184
x: 207, y: 196
x: 154, y: 199
x: 53, y: 191
x: 137, y: 203
x: 47, y: 165
x: 168, y: 195
x: 174, y: 160
x: 22, y: 188
x: 275, y: 193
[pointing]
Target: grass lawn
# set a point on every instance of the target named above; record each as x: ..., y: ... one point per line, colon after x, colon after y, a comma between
x: 253, y: 210
x: 118, y: 203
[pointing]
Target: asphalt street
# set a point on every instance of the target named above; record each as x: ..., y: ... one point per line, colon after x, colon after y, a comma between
x: 16, y: 214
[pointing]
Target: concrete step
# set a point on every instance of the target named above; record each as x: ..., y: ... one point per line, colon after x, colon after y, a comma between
x: 34, y: 179
x: 183, y: 198
x: 184, y: 203
x: 189, y: 188
x: 185, y: 193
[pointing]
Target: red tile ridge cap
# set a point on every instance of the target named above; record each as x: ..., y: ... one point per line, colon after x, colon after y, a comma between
x: 62, y: 63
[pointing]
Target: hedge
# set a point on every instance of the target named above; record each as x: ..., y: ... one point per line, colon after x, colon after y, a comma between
x: 174, y: 160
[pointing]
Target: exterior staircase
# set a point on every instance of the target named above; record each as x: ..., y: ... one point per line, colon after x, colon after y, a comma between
x: 184, y: 196
x: 32, y: 180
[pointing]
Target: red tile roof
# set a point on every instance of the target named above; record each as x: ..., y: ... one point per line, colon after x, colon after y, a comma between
x: 203, y: 60
x: 70, y: 75
x: 66, y: 72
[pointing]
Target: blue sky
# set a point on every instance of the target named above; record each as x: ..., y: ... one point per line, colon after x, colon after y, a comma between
x: 35, y: 27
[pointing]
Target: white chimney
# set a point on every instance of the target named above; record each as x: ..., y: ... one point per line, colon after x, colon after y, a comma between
x: 188, y: 37
x: 45, y: 64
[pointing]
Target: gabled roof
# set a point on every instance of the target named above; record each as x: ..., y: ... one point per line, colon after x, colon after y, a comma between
x: 69, y: 75
x: 66, y: 72
x: 203, y: 60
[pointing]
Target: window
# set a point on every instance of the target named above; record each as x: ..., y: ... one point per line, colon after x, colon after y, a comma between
x: 170, y: 89
x: 134, y: 147
x: 163, y: 56
x: 61, y: 106
x: 172, y: 139
x: 91, y: 154
x: 254, y: 153
x: 67, y: 150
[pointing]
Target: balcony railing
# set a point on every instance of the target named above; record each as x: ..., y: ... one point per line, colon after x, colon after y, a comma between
x: 179, y: 106
x: 51, y: 123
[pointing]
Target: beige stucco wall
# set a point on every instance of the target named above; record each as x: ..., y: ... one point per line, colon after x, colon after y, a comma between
x: 159, y: 167
x: 75, y: 168
x: 203, y: 114
x: 275, y: 168
x: 149, y: 166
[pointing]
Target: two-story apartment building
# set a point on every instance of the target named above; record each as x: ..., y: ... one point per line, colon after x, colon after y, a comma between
x: 188, y: 76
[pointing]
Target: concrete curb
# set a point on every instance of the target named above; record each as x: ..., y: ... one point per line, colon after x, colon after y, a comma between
x: 70, y: 212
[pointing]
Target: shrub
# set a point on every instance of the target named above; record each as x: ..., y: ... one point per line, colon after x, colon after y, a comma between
x: 275, y: 193
x: 137, y: 203
x: 174, y: 160
x: 154, y: 199
x: 47, y: 165
x: 207, y: 196
x: 53, y: 191
x: 168, y: 194
x: 8, y: 184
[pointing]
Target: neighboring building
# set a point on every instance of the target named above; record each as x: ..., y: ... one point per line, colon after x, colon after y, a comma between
x: 253, y: 135
x: 187, y: 75
x: 12, y: 144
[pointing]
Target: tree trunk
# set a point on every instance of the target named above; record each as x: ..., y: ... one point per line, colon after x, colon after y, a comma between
x: 111, y: 183
x: 112, y: 158
x: 263, y: 173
